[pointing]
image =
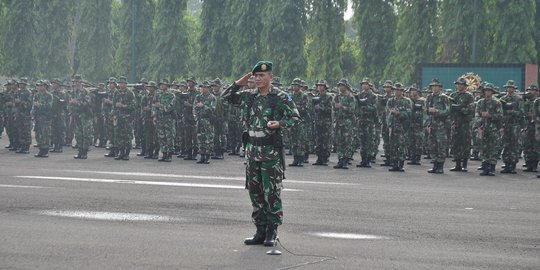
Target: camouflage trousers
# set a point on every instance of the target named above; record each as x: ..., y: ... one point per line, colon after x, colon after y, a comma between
x: 264, y: 183
x: 234, y: 135
x: 489, y: 145
x: 2, y: 124
x: 138, y: 130
x: 415, y: 141
x: 179, y: 141
x: 166, y: 131
x: 511, y: 148
x: 205, y: 136
x: 83, y: 132
x: 220, y: 135
x: 99, y: 129
x: 461, y: 140
x: 367, y: 132
x: 123, y: 133
x: 58, y: 127
x: 345, y: 148
x: 109, y: 127
x: 385, y: 138
x: 323, y: 136
x: 298, y: 139
x: 11, y: 130
x: 530, y: 151
x: 376, y: 138
x: 43, y: 133
x: 437, y: 140
x: 190, y: 135
x: 23, y: 126
x: 150, y: 138
x: 398, y: 145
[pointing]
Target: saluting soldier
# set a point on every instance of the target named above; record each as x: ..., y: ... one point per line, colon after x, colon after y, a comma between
x: 461, y: 113
x: 437, y: 110
x: 266, y: 111
x: 487, y: 119
x: 512, y: 105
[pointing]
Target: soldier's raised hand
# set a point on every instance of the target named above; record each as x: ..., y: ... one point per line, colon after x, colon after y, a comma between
x: 244, y: 80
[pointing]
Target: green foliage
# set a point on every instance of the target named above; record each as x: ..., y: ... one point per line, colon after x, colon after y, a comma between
x: 284, y: 37
x: 52, y: 40
x: 171, y: 40
x: 143, y: 11
x: 415, y: 41
x: 215, y: 51
x: 19, y: 39
x: 327, y: 31
x: 349, y: 59
x: 376, y: 24
x: 94, y: 50
x: 514, y: 31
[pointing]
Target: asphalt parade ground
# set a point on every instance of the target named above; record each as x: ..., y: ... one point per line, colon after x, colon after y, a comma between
x: 99, y: 213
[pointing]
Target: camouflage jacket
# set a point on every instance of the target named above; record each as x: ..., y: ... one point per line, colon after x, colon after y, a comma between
x: 257, y: 111
x: 168, y: 100
x: 366, y: 109
x: 345, y: 114
x: 512, y: 110
x: 207, y: 111
x: 127, y: 98
x: 324, y: 113
x: 442, y: 104
x: 494, y: 108
x: 398, y: 121
x: 462, y: 107
x: 24, y: 107
x: 82, y: 110
x: 44, y: 110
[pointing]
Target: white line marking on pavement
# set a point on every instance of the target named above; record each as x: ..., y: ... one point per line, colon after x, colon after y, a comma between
x: 203, y: 177
x: 114, y: 216
x: 18, y: 186
x: 137, y: 182
x: 352, y: 236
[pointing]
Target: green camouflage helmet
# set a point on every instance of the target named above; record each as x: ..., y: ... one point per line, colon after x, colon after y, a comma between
x: 532, y: 87
x: 122, y: 79
x: 152, y: 84
x: 435, y: 82
x: 511, y: 84
x: 297, y: 81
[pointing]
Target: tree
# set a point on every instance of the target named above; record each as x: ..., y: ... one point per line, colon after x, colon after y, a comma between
x: 376, y: 24
x: 19, y: 40
x: 215, y: 51
x: 54, y: 32
x: 513, y: 31
x: 143, y: 12
x: 415, y: 40
x: 326, y: 35
x: 464, y: 31
x: 171, y: 52
x: 284, y: 36
x: 94, y: 51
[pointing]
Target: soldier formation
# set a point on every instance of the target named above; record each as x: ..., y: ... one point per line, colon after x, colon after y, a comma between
x: 192, y: 120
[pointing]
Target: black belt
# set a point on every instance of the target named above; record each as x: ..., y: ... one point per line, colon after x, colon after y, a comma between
x: 261, y: 141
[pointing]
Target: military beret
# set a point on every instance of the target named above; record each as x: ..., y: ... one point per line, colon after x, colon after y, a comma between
x: 122, y: 79
x: 262, y: 66
x: 510, y: 83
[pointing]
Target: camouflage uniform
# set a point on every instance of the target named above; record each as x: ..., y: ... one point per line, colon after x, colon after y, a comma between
x: 106, y: 109
x: 235, y: 128
x: 123, y: 112
x: 323, y: 124
x: 219, y: 124
x: 190, y: 132
x: 9, y: 115
x: 82, y: 117
x: 344, y: 122
x: 99, y: 121
x: 150, y: 139
x: 264, y: 169
x: 179, y: 141
x: 381, y: 109
x: 23, y: 117
x: 398, y: 124
x: 415, y: 138
x: 530, y: 153
x: 488, y: 133
x: 436, y: 124
x: 203, y: 111
x: 462, y: 113
x: 512, y: 120
x: 164, y: 116
x: 42, y: 109
x: 367, y: 116
x: 298, y: 133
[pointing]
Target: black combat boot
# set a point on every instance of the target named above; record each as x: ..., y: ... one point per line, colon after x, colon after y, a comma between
x: 440, y: 168
x: 168, y: 158
x: 464, y: 165
x: 305, y: 158
x: 43, y: 153
x: 201, y: 160
x: 345, y: 164
x: 84, y: 154
x: 271, y: 235
x: 458, y: 167
x: 401, y: 169
x: 507, y: 168
x: 120, y: 154
x: 395, y: 166
x: 126, y: 154
x: 258, y: 238
x: 25, y: 149
x: 164, y: 157
x: 486, y: 169
x: 319, y: 161
x: 149, y: 154
x: 534, y: 166
x: 528, y: 166
x: 156, y: 154
x: 79, y: 154
x: 295, y: 162
x: 434, y: 169
x: 339, y: 165
x: 142, y: 153
x: 112, y: 152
